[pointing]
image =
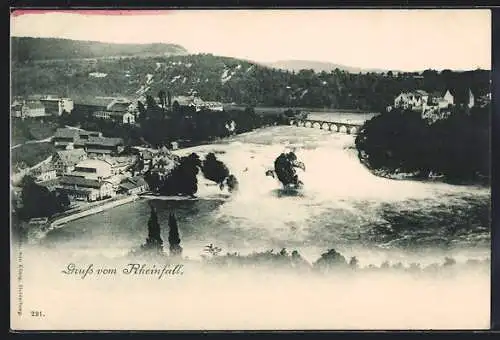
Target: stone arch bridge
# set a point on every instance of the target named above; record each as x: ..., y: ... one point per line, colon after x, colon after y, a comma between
x: 327, y: 125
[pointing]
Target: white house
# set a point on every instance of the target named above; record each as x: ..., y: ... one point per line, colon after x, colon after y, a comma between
x: 33, y: 109
x: 415, y: 100
x: 80, y: 188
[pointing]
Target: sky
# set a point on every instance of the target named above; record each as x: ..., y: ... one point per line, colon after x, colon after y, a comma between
x: 405, y: 40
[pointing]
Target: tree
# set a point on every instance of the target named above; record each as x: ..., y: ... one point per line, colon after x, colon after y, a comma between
x: 37, y: 200
x: 162, y: 97
x: 154, y: 240
x: 214, y: 170
x: 142, y: 111
x: 173, y: 236
x: 169, y: 100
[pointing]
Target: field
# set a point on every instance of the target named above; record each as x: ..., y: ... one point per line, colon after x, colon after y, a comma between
x: 30, y: 129
x: 30, y: 154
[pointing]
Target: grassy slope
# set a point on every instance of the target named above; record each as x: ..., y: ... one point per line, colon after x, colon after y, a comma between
x: 26, y: 130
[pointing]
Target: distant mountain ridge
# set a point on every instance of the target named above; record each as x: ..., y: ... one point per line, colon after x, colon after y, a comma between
x: 40, y: 49
x: 319, y: 66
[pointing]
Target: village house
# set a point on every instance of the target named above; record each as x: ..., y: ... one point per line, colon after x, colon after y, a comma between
x: 64, y: 161
x: 460, y: 96
x: 44, y: 172
x: 63, y: 137
x: 104, y: 146
x: 81, y: 188
x: 92, y: 104
x: 134, y: 186
x: 213, y: 106
x: 93, y: 142
x: 16, y: 108
x: 32, y: 109
x: 119, y: 110
x: 90, y: 180
x: 55, y: 106
x: 183, y: 102
x: 413, y: 100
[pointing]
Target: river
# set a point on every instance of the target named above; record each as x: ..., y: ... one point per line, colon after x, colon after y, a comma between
x: 342, y: 206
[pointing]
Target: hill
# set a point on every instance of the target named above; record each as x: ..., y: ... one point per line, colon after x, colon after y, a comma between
x: 318, y: 66
x: 31, y: 49
x: 229, y: 80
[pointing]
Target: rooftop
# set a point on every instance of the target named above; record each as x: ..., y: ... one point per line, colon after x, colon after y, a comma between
x: 65, y: 133
x: 104, y: 141
x: 81, y: 182
x: 133, y: 182
x: 34, y: 105
x: 71, y: 157
x: 93, y: 163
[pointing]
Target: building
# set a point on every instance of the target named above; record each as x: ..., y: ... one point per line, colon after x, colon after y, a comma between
x: 134, y: 186
x: 92, y: 104
x: 213, y: 106
x: 32, y: 109
x: 16, y: 108
x: 55, y: 106
x: 45, y: 172
x: 94, y: 169
x: 90, y: 181
x: 122, y: 117
x: 460, y: 96
x: 104, y: 145
x: 413, y: 100
x: 64, y: 161
x: 190, y: 102
x: 120, y: 110
x: 85, y: 189
x: 66, y: 138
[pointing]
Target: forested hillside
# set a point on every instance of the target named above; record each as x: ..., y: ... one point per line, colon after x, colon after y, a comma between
x: 25, y: 49
x: 231, y: 80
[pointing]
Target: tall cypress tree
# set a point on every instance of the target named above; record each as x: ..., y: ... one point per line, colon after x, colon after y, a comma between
x: 173, y: 236
x: 154, y: 240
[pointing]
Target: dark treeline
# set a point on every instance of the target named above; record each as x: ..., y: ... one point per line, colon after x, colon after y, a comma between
x: 160, y: 126
x: 157, y: 126
x: 38, y: 201
x: 231, y: 80
x: 457, y: 147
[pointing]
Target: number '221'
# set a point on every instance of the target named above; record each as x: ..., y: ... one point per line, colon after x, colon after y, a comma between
x: 37, y: 313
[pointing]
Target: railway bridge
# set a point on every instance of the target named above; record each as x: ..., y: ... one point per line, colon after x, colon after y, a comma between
x: 348, y: 128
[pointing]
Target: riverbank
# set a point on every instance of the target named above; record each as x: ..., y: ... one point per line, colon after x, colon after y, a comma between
x: 94, y: 209
x: 418, y: 176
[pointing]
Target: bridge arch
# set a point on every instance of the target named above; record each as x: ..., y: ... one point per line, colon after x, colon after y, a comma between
x: 334, y: 127
x: 292, y: 122
x: 308, y: 124
x: 314, y: 124
x: 342, y: 129
x: 353, y: 130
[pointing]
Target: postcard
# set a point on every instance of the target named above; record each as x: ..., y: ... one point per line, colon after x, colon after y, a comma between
x: 250, y: 169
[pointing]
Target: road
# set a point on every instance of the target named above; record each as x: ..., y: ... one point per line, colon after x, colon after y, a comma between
x: 48, y: 139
